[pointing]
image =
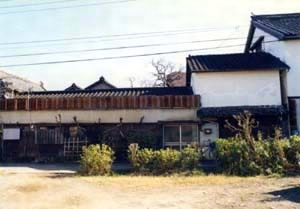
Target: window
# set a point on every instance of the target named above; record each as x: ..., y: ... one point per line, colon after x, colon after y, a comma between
x: 49, y: 135
x: 11, y: 134
x: 179, y: 136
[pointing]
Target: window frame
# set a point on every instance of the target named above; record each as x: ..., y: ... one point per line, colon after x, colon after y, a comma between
x: 180, y: 144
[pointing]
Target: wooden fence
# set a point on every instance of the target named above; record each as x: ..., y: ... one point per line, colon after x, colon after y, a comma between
x: 89, y: 103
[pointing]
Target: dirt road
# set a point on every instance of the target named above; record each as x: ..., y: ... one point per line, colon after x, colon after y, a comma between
x: 50, y: 190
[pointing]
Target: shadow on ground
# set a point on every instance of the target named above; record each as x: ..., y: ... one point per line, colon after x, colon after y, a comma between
x: 60, y: 175
x: 291, y: 194
x: 39, y: 167
x: 54, y: 168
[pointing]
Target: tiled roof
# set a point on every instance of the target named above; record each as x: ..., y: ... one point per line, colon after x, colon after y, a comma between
x: 234, y: 62
x: 100, y: 84
x: 282, y: 26
x: 268, y: 110
x: 73, y: 87
x: 118, y: 92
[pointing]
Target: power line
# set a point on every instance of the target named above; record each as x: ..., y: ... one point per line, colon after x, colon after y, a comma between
x: 66, y: 7
x: 117, y: 57
x: 125, y: 35
x: 78, y: 42
x: 6, y: 0
x: 36, y: 4
x: 125, y: 56
x: 120, y: 47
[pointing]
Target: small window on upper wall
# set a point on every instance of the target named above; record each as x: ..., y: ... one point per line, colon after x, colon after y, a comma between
x: 179, y: 136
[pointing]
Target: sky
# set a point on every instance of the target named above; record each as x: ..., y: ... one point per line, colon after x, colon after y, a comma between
x: 174, y: 25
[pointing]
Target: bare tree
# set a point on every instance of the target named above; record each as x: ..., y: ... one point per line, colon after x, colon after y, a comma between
x: 162, y: 69
x: 245, y: 124
x: 165, y: 73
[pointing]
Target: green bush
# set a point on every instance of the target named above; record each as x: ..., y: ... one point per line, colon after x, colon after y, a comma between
x: 238, y: 158
x: 292, y: 150
x: 233, y: 156
x: 167, y: 161
x: 190, y: 157
x: 96, y: 160
x: 140, y: 159
x: 164, y: 161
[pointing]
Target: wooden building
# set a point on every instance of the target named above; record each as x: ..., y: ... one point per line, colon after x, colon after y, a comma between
x: 40, y: 124
x: 56, y: 124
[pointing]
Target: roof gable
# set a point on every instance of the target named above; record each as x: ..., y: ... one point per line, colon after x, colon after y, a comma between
x: 73, y: 87
x: 100, y: 84
x: 282, y: 26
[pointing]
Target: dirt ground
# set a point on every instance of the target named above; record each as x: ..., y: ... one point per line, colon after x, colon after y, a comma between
x: 64, y: 190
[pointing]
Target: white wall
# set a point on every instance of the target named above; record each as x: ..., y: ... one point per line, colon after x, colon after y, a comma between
x: 218, y: 89
x: 288, y: 52
x: 92, y: 116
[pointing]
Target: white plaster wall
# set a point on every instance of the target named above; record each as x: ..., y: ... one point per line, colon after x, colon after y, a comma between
x: 92, y: 116
x: 288, y: 52
x: 218, y: 89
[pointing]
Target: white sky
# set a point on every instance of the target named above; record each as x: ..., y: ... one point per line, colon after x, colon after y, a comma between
x: 229, y: 18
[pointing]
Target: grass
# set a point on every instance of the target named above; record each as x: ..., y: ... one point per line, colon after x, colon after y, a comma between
x: 146, y: 182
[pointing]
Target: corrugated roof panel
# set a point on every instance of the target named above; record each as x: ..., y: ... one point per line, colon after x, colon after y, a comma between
x: 235, y: 62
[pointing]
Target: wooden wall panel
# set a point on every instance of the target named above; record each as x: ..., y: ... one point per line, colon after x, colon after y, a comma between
x: 87, y: 103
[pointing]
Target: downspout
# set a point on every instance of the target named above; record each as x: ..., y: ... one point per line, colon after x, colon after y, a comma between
x: 284, y: 101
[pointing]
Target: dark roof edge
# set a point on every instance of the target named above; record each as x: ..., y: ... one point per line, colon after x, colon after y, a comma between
x: 233, y: 110
x: 276, y: 33
x: 278, y: 14
x: 106, y: 90
x: 96, y: 83
x: 237, y: 70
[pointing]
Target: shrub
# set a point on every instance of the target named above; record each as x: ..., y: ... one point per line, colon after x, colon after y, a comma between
x: 276, y: 156
x: 246, y: 155
x: 234, y: 156
x: 133, y: 150
x: 238, y: 158
x: 292, y: 150
x: 96, y: 160
x: 190, y: 157
x: 140, y: 159
x: 166, y: 161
